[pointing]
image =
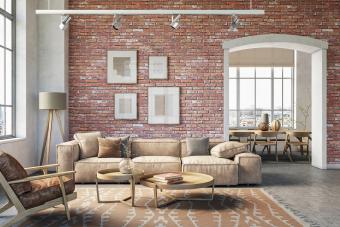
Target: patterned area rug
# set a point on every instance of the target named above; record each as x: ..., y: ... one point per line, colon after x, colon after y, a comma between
x: 230, y: 207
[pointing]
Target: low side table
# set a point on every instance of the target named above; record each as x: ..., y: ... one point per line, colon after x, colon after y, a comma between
x: 114, y: 175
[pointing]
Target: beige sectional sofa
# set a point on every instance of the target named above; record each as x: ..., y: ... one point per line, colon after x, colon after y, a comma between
x: 162, y: 155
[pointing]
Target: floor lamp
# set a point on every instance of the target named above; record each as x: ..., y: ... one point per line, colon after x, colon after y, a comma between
x: 53, y: 102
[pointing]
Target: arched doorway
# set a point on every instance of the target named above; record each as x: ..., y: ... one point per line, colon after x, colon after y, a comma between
x: 318, y: 51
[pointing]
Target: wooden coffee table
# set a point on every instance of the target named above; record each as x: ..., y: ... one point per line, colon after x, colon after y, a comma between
x: 191, y: 180
x: 116, y: 176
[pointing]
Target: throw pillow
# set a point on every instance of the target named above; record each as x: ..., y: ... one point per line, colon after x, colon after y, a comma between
x: 88, y: 143
x: 197, y: 146
x: 228, y: 149
x: 12, y: 170
x: 109, y: 148
x: 124, y: 146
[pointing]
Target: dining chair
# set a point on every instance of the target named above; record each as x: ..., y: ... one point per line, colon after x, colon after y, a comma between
x: 241, y: 134
x: 303, y: 138
x: 270, y: 139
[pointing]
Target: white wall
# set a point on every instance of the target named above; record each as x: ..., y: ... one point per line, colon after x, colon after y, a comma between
x: 52, y: 70
x: 303, y: 88
x: 25, y: 147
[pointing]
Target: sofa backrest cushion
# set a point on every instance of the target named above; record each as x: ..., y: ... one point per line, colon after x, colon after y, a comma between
x: 88, y: 143
x: 12, y: 170
x: 212, y: 143
x: 155, y: 147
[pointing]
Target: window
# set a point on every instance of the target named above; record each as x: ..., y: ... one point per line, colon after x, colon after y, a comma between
x: 7, y: 53
x: 257, y: 90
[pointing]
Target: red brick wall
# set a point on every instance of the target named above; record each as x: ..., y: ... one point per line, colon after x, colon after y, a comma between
x: 195, y: 61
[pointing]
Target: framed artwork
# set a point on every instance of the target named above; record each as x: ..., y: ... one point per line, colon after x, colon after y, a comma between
x: 122, y: 67
x: 163, y: 105
x: 126, y: 106
x: 158, y: 67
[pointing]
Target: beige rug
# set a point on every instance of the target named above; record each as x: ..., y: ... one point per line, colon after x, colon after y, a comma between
x: 230, y: 207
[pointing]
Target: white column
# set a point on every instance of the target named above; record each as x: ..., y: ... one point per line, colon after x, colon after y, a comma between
x: 319, y: 109
x: 226, y: 95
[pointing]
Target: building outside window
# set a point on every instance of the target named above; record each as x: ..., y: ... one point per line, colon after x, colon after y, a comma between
x: 7, y: 69
x: 257, y: 90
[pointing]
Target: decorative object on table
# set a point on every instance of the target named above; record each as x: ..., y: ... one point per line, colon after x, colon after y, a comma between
x: 169, y: 178
x: 158, y: 67
x: 163, y: 105
x: 197, y: 146
x: 191, y: 180
x: 109, y: 147
x: 264, y: 123
x: 126, y: 166
x: 53, y: 102
x: 275, y: 125
x: 228, y: 149
x: 122, y: 67
x: 117, y: 176
x: 126, y: 106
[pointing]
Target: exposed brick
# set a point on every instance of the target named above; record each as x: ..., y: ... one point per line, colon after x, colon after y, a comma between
x: 195, y: 58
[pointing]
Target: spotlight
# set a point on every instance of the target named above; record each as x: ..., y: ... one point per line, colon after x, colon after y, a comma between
x: 117, y: 22
x: 235, y: 22
x: 175, y: 21
x: 65, y: 20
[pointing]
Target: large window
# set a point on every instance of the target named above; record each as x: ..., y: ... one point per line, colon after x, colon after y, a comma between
x: 257, y: 90
x: 7, y: 47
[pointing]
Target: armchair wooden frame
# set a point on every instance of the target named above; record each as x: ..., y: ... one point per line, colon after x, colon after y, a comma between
x: 13, y: 199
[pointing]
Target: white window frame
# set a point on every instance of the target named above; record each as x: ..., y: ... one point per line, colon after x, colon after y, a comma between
x: 272, y: 109
x: 10, y: 16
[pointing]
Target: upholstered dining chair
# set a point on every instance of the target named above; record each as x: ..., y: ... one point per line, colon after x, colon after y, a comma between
x: 270, y: 140
x: 30, y: 195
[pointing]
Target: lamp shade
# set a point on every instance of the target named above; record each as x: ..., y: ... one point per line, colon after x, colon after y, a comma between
x: 52, y: 100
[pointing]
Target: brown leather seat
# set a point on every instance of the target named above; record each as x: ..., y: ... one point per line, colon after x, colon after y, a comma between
x: 45, y: 190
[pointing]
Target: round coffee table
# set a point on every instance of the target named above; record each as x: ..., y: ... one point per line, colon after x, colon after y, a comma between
x: 116, y: 176
x: 191, y: 180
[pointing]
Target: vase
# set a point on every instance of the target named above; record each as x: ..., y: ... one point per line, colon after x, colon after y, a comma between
x: 275, y: 125
x: 126, y: 166
x: 264, y: 123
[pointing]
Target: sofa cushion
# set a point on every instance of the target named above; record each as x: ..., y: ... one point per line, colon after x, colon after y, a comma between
x: 12, y: 170
x: 212, y: 143
x: 46, y: 190
x: 88, y: 143
x: 157, y: 164
x: 224, y: 171
x: 86, y: 169
x: 198, y: 146
x: 228, y: 149
x: 109, y: 148
x: 155, y: 147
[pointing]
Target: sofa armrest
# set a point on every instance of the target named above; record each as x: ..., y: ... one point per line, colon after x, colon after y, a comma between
x: 67, y: 154
x: 249, y: 168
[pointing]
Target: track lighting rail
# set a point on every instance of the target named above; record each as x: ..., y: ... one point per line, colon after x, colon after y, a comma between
x: 151, y: 12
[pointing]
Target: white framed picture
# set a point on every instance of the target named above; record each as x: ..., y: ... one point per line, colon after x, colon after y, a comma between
x: 122, y: 67
x: 158, y: 67
x: 126, y: 106
x: 163, y: 105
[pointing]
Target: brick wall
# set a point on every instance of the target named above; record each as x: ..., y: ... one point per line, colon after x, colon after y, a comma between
x: 195, y: 58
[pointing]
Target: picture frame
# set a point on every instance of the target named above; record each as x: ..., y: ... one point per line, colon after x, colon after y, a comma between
x: 163, y: 105
x: 126, y: 106
x: 158, y: 67
x: 122, y: 67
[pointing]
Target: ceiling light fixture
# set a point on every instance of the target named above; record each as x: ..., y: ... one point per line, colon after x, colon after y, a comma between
x: 235, y: 22
x: 117, y: 22
x: 65, y: 20
x: 175, y: 21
